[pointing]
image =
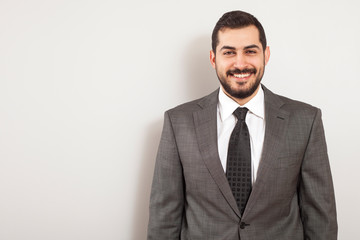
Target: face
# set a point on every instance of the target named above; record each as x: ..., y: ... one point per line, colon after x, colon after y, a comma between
x: 240, y: 62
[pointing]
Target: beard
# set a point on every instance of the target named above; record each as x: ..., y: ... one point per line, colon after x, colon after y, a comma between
x: 241, y: 93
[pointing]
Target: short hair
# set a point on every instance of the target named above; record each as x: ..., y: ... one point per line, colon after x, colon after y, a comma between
x: 237, y: 19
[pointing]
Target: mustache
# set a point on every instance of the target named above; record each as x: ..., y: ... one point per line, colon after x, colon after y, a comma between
x: 243, y: 71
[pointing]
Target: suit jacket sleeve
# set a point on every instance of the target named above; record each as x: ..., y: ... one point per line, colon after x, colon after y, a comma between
x: 167, y: 193
x: 316, y: 193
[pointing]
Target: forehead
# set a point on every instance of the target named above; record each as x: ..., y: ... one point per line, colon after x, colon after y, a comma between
x: 239, y: 37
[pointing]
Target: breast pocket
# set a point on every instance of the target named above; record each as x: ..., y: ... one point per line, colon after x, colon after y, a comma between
x: 282, y: 161
x: 288, y: 161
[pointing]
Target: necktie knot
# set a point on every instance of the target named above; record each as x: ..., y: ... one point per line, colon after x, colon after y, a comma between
x: 240, y: 113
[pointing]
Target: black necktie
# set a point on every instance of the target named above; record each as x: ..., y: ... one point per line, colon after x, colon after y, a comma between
x: 238, y: 168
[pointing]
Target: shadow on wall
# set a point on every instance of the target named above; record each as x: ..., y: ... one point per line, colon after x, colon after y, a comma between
x: 146, y: 170
x: 200, y: 77
x: 200, y: 81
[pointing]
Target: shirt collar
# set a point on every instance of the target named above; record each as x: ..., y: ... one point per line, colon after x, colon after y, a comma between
x: 227, y: 105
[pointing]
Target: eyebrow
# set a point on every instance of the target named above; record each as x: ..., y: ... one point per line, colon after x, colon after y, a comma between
x: 252, y: 46
x: 246, y: 47
x: 228, y: 47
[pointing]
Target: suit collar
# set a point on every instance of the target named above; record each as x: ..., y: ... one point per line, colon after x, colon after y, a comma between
x: 272, y: 99
x: 209, y: 100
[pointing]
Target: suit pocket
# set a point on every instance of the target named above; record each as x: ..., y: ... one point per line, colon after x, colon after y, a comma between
x: 286, y: 162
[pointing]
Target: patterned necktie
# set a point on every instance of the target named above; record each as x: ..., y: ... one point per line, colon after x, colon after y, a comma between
x: 238, y: 168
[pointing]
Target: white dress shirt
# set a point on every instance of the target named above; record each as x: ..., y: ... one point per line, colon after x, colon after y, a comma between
x: 255, y: 120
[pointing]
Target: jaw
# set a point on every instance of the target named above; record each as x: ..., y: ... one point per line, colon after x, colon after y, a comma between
x: 241, y: 89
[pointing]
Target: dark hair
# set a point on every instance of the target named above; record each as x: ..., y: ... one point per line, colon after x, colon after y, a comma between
x: 237, y: 19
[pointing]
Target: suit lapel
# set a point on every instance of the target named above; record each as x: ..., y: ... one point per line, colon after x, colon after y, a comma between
x: 205, y: 122
x: 275, y: 130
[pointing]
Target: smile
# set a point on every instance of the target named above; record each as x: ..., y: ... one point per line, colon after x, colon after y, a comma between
x: 244, y: 75
x: 241, y: 74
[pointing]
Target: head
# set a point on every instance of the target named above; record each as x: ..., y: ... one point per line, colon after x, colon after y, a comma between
x: 237, y: 19
x: 239, y: 54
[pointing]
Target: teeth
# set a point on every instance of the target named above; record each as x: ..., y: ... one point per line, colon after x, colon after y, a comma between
x: 242, y: 75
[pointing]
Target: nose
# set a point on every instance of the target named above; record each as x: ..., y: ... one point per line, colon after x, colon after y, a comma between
x: 240, y: 61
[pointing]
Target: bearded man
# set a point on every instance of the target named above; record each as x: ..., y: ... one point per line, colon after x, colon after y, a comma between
x: 242, y: 162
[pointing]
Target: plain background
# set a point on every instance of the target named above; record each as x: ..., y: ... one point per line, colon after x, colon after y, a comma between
x: 84, y: 85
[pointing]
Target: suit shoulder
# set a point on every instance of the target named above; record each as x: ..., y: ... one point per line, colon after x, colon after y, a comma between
x: 194, y: 105
x: 296, y: 103
x: 290, y: 105
x: 296, y: 107
x: 187, y: 106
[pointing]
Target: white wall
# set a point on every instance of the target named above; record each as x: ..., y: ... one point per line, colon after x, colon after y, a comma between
x: 83, y: 88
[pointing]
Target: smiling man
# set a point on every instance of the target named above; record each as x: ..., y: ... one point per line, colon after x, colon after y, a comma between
x: 240, y: 61
x: 242, y: 162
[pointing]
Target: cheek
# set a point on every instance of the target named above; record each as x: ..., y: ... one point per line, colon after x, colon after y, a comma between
x: 258, y: 62
x: 224, y: 65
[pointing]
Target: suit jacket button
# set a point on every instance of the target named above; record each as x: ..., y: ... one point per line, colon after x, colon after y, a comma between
x: 242, y: 225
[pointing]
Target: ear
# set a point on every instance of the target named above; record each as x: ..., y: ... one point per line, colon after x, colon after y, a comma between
x: 267, y: 54
x: 212, y: 58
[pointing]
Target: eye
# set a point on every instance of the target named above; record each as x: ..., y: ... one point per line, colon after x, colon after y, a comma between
x: 229, y: 53
x: 250, y: 52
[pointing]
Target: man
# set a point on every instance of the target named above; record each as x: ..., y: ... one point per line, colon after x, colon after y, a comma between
x: 242, y: 162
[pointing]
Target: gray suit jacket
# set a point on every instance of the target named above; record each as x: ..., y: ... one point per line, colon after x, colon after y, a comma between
x: 292, y: 198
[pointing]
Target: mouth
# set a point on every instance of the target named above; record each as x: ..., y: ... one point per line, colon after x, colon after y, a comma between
x: 244, y: 75
x: 241, y: 74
